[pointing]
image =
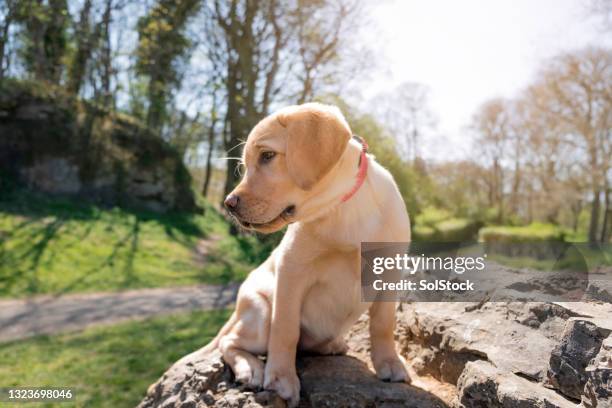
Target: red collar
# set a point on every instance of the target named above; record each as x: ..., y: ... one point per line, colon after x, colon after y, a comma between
x: 361, y: 173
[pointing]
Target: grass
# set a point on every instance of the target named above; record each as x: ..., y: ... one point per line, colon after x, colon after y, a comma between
x: 50, y: 245
x: 535, y: 232
x: 108, y: 366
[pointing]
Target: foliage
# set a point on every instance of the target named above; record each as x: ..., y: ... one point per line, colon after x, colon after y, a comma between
x: 162, y: 42
x: 51, y: 245
x: 107, y: 366
x: 45, y: 38
x: 432, y: 216
x: 438, y: 225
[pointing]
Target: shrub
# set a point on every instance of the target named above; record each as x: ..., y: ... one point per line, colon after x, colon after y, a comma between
x: 432, y: 216
x: 437, y: 225
x: 423, y: 233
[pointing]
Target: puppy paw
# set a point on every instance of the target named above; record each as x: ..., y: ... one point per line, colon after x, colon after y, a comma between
x: 392, y: 369
x: 285, y: 383
x: 250, y: 373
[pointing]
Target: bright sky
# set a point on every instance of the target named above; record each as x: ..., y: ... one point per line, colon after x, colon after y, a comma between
x: 471, y: 50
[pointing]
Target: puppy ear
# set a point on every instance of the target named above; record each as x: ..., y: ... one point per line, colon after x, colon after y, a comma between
x: 317, y: 135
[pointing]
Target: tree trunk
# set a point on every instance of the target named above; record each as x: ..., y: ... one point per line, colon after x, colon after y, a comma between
x: 605, y: 225
x: 576, y: 210
x: 594, y: 223
x: 209, y: 154
x: 107, y: 69
x: 241, y: 88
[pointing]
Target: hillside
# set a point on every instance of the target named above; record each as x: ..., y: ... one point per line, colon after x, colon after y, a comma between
x: 54, y: 143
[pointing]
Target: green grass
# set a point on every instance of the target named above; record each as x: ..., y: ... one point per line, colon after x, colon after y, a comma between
x: 59, y: 246
x: 535, y: 232
x: 107, y: 366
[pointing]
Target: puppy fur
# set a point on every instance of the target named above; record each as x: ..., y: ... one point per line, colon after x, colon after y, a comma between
x: 306, y: 295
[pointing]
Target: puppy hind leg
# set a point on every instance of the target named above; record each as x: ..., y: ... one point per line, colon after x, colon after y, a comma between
x: 336, y: 346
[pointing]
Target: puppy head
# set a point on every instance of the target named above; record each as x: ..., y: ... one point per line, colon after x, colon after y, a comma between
x: 286, y: 155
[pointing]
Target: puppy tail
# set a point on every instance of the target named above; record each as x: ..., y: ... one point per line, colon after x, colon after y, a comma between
x: 214, y: 343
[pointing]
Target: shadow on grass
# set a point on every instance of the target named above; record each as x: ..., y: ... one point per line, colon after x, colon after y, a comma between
x: 37, y: 220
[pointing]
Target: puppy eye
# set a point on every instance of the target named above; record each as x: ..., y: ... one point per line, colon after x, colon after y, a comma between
x: 266, y: 157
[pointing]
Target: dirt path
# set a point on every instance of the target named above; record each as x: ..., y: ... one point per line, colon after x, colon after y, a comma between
x: 49, y: 314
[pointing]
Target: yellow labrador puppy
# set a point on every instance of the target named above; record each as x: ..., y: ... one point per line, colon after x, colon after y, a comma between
x: 304, y: 169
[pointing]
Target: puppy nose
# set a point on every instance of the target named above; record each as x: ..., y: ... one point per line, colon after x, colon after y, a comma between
x: 231, y: 202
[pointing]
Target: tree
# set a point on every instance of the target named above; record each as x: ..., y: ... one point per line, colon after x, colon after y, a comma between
x: 577, y: 92
x: 45, y: 37
x: 492, y: 125
x: 272, y: 51
x: 601, y: 9
x: 161, y: 44
x: 84, y: 43
x: 405, y: 111
x: 7, y: 16
x: 323, y: 33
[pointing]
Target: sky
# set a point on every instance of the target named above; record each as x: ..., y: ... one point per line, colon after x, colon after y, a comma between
x: 470, y: 51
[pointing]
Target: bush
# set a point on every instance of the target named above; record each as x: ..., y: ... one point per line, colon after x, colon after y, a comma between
x: 432, y: 216
x: 423, y: 233
x: 437, y: 225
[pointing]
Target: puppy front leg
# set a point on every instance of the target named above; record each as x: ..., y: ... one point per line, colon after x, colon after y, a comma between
x: 387, y: 363
x: 280, y: 374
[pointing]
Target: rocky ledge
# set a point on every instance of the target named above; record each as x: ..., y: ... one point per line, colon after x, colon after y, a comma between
x: 540, y: 355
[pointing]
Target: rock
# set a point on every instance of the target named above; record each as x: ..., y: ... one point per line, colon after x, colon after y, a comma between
x: 598, y: 388
x: 345, y: 381
x: 53, y: 175
x: 202, y: 380
x: 581, y: 343
x: 442, y: 338
x: 483, y: 385
x: 483, y: 355
x: 56, y: 144
x: 599, y: 289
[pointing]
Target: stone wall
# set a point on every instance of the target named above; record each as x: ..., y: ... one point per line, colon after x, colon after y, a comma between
x: 51, y: 142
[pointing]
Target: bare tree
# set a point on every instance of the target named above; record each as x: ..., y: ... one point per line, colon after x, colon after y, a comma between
x: 406, y: 112
x: 603, y: 10
x: 577, y: 93
x: 272, y: 51
x: 492, y: 125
